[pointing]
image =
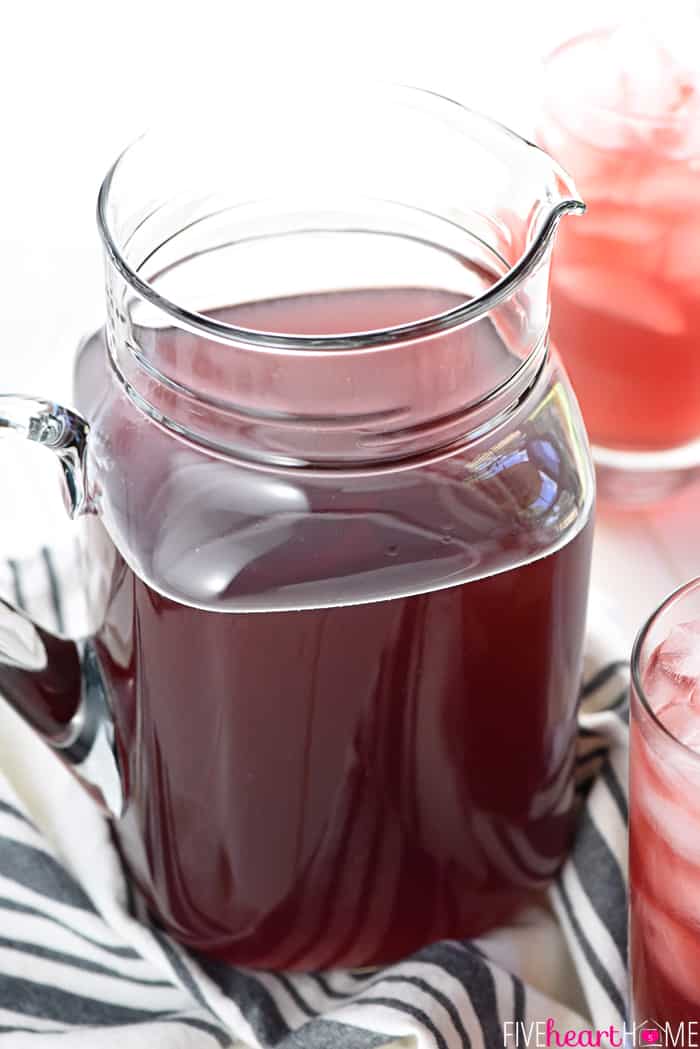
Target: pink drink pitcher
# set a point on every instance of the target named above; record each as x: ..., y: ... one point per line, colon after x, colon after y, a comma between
x: 338, y: 512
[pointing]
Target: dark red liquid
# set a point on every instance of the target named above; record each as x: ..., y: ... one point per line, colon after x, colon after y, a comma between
x: 338, y: 785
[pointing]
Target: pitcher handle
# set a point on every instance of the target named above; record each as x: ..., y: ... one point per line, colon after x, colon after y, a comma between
x: 57, y: 684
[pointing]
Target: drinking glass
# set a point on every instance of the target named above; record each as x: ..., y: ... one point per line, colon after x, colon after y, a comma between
x: 622, y: 113
x: 665, y: 813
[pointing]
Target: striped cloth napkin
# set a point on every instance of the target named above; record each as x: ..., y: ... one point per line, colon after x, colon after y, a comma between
x: 81, y: 965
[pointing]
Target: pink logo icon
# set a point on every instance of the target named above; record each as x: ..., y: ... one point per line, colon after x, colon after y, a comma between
x: 649, y: 1036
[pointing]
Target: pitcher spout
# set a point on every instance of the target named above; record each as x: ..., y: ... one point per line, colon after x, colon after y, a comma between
x: 569, y: 196
x: 560, y: 198
x: 568, y: 201
x: 543, y: 241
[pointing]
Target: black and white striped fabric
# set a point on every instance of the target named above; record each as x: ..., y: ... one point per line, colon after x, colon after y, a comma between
x: 80, y: 965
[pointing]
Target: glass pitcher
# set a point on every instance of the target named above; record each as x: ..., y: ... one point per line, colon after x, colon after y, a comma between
x: 338, y: 501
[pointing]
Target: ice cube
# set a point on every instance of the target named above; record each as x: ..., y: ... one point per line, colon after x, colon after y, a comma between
x: 665, y: 777
x: 671, y: 187
x: 682, y: 254
x: 608, y: 220
x: 679, y: 654
x: 644, y: 99
x: 668, y: 842
x: 672, y: 678
x: 629, y: 297
x: 648, y: 66
x: 683, y: 720
x: 674, y: 945
x: 661, y: 688
x: 583, y: 159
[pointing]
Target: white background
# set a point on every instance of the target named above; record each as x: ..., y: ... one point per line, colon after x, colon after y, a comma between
x: 79, y: 80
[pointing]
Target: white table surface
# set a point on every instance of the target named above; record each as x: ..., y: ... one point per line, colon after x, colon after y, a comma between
x: 78, y: 80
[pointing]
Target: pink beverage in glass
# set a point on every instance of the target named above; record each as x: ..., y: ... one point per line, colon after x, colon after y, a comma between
x: 665, y: 814
x: 623, y: 113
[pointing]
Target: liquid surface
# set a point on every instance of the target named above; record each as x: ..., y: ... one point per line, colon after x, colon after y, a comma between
x: 665, y: 836
x: 386, y: 762
x: 626, y: 278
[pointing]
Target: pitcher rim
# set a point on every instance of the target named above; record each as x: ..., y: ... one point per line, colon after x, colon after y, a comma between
x: 464, y: 313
